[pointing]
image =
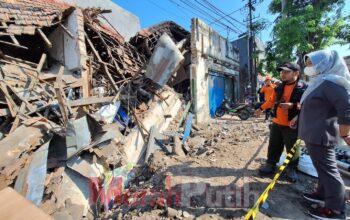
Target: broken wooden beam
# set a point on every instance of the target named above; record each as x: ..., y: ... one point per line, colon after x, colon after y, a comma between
x: 10, y: 103
x: 61, y: 96
x: 110, y: 78
x: 66, y: 30
x: 20, y: 60
x: 12, y: 44
x: 44, y: 37
x: 41, y: 63
x: 97, y: 55
x: 23, y: 99
x: 109, y: 52
x: 85, y: 78
x: 13, y: 38
x: 90, y: 101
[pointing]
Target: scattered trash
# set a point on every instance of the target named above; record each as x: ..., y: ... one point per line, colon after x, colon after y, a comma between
x: 265, y: 205
x: 107, y: 113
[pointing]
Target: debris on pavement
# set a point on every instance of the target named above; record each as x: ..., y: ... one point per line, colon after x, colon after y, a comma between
x: 84, y: 107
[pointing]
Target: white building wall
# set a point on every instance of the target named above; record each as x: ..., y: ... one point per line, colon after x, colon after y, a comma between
x: 209, y: 52
x: 126, y: 23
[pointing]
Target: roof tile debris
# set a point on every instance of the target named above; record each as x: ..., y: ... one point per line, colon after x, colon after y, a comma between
x: 22, y: 16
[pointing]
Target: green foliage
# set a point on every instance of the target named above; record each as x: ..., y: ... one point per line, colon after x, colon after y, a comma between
x: 305, y: 26
x: 344, y: 33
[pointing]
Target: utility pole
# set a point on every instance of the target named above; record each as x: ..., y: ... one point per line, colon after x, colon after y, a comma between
x: 251, y: 42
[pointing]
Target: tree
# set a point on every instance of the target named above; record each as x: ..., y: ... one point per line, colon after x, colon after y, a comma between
x: 304, y: 26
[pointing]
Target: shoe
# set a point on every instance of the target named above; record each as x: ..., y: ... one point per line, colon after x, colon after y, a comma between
x: 292, y: 174
x: 325, y: 213
x: 267, y: 169
x: 313, y: 197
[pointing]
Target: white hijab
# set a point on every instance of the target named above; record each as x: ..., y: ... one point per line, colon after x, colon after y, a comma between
x: 331, y: 67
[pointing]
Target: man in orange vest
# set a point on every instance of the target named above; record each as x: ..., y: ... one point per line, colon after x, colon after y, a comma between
x: 267, y: 90
x: 284, y: 102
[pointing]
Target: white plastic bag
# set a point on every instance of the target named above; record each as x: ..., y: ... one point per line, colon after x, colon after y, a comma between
x: 108, y: 112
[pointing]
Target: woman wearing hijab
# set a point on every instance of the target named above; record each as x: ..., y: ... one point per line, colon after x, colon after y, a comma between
x: 324, y: 117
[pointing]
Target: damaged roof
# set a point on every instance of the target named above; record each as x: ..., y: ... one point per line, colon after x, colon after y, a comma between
x: 146, y: 39
x: 24, y: 16
x: 92, y: 17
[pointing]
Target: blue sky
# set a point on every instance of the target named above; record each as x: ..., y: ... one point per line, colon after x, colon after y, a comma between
x: 152, y: 12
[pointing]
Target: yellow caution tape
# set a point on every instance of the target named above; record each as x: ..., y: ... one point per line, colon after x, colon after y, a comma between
x: 263, y: 197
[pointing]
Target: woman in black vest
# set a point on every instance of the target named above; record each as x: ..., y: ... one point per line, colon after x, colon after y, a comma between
x: 323, y: 121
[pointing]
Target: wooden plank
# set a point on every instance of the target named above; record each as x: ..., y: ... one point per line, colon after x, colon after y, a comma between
x: 27, y: 104
x: 15, y: 124
x: 10, y: 103
x: 66, y: 30
x: 41, y: 63
x: 61, y: 96
x: 76, y: 84
x: 86, y: 83
x: 20, y: 60
x: 44, y: 37
x: 110, y: 54
x: 93, y: 48
x: 14, y: 206
x: 28, y: 73
x: 90, y: 101
x: 12, y: 44
x: 111, y: 80
x: 13, y: 38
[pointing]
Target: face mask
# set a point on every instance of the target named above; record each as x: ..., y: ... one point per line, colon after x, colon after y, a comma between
x: 310, y: 71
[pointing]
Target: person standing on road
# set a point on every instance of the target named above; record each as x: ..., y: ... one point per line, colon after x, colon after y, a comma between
x: 284, y: 103
x: 267, y: 90
x: 324, y: 118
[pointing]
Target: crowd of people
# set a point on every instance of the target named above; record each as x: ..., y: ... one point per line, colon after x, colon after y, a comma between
x: 317, y: 112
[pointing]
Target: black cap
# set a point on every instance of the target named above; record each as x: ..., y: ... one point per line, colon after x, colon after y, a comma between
x: 289, y: 67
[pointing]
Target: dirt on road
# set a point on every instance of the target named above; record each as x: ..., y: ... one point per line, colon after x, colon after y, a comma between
x: 217, y: 179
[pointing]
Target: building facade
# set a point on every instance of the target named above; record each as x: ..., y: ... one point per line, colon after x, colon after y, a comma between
x: 214, y: 70
x: 247, y: 80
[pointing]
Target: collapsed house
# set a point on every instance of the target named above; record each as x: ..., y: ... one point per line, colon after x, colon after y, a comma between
x: 80, y: 105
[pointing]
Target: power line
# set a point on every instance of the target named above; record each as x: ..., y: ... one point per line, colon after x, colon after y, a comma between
x: 165, y: 10
x: 215, y: 12
x: 191, y: 10
x: 207, y: 14
x: 195, y: 13
x: 220, y: 11
x: 228, y: 14
x: 180, y: 6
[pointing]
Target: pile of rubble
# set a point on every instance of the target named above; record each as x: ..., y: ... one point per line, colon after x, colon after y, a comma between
x: 80, y: 107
